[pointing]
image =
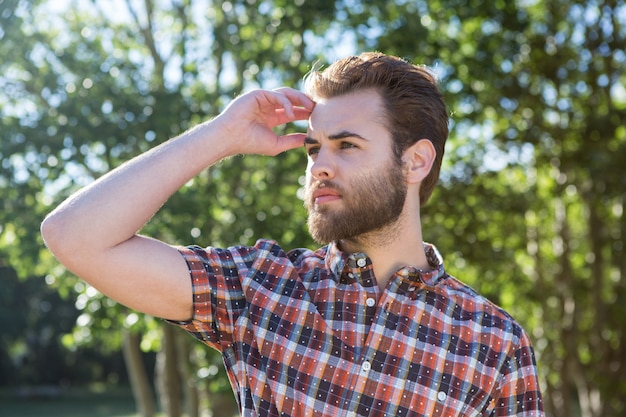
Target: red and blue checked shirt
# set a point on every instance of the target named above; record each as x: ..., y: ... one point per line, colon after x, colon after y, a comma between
x: 309, y: 333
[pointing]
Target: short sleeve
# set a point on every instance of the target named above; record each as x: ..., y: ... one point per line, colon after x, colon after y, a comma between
x: 519, y: 392
x: 218, y: 298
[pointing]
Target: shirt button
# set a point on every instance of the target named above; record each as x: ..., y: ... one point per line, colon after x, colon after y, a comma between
x: 366, y: 366
x: 441, y: 396
x: 370, y: 302
x: 361, y: 262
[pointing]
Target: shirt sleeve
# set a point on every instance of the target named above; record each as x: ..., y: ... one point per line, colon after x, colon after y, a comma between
x: 218, y: 298
x: 519, y: 392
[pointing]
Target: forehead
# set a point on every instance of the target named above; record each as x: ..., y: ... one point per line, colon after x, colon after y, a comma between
x: 360, y: 112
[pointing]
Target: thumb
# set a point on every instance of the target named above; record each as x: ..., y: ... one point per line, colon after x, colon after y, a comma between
x: 288, y: 142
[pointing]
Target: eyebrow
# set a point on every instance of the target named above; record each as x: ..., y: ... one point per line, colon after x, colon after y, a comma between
x: 337, y: 136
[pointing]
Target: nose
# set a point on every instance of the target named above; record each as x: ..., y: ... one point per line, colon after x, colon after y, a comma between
x: 322, y: 167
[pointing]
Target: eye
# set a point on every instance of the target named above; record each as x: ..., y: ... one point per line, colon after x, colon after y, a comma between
x: 312, y: 150
x: 347, y: 145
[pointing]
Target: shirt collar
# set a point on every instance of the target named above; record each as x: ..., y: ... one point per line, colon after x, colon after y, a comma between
x: 338, y: 261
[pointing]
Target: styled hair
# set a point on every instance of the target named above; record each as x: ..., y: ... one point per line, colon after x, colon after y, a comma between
x: 413, y: 104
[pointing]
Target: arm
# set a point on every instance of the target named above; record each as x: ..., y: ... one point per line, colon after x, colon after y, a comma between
x: 94, y: 232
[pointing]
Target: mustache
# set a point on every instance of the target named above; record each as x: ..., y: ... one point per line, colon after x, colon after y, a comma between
x: 318, y: 185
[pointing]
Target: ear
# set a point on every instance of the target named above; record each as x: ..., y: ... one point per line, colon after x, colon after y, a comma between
x: 418, y: 159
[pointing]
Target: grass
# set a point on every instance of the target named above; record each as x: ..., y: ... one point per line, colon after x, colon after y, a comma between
x: 74, y: 402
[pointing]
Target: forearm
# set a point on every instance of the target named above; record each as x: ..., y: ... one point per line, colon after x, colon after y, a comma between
x: 113, y: 208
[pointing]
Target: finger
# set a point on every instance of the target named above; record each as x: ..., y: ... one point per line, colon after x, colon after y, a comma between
x: 297, y: 113
x: 296, y: 97
x: 301, y: 113
x: 286, y: 106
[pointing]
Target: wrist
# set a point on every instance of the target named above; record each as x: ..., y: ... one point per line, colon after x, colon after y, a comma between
x: 212, y: 139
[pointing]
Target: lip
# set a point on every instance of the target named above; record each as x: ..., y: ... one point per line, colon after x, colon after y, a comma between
x: 325, y: 195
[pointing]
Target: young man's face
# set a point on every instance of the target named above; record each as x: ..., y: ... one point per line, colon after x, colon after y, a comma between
x: 354, y: 184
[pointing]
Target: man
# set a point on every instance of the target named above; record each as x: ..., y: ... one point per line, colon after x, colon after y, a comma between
x: 370, y: 324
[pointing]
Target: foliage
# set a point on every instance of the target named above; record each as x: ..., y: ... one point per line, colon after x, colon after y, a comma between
x: 530, y: 208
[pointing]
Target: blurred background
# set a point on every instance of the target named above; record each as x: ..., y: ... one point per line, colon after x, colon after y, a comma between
x: 530, y: 208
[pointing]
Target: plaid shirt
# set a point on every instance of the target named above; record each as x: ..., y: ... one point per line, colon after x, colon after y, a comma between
x: 310, y: 334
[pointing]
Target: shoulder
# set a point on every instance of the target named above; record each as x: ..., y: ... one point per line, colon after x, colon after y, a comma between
x: 473, y: 306
x: 468, y: 305
x: 262, y: 248
x: 247, y: 256
x: 301, y: 256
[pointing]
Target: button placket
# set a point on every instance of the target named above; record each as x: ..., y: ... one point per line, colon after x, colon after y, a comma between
x: 359, y: 381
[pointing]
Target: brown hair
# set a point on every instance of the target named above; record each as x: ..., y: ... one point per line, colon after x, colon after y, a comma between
x: 414, y: 105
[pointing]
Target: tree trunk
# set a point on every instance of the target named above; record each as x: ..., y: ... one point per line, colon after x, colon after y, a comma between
x: 186, y: 364
x: 142, y: 392
x: 168, y: 378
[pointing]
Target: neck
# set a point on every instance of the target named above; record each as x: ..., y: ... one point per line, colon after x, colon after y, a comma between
x: 396, y: 246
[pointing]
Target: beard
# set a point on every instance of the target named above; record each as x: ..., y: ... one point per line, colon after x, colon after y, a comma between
x: 372, y: 204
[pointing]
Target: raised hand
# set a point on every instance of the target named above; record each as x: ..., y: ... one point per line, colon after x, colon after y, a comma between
x: 248, y: 122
